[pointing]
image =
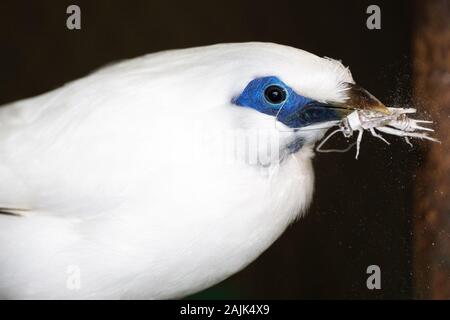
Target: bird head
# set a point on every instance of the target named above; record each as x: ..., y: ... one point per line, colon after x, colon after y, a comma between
x: 275, y: 87
x: 301, y: 93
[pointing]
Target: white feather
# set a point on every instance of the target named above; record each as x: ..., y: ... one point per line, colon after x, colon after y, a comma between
x: 107, y: 169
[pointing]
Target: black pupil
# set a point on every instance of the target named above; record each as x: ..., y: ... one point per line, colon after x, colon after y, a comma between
x: 275, y: 94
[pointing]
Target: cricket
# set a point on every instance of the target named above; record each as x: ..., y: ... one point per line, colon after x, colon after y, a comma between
x: 393, y: 121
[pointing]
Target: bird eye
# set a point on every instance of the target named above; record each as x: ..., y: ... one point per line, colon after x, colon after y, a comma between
x: 275, y: 94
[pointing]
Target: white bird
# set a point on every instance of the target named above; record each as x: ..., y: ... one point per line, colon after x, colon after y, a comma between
x: 113, y: 186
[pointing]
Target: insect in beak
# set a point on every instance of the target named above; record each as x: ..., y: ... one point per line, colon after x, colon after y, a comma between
x: 362, y: 111
x: 361, y: 99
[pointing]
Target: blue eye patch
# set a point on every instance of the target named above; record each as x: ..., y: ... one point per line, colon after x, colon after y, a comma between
x: 271, y: 96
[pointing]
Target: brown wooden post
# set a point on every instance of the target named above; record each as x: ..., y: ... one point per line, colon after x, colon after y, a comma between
x: 431, y: 49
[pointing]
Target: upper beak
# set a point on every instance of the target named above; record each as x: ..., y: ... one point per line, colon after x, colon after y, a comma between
x: 360, y: 99
x: 318, y: 112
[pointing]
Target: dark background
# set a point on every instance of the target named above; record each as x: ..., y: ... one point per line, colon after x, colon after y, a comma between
x: 362, y: 210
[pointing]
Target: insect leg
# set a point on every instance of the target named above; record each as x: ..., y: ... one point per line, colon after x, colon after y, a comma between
x: 379, y: 136
x: 358, y: 142
x: 400, y: 133
x: 408, y: 124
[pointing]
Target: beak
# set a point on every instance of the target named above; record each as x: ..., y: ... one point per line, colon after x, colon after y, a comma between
x: 316, y: 112
x: 360, y: 99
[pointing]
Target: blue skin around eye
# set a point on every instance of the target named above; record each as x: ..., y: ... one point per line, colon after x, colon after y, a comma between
x: 295, y: 112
